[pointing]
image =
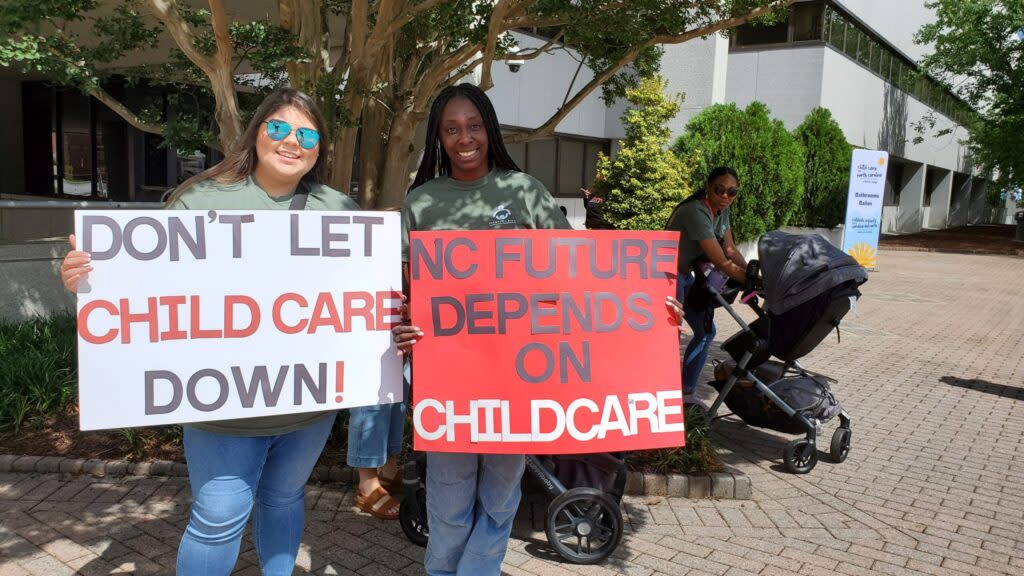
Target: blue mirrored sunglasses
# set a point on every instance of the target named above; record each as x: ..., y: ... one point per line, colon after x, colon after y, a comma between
x: 279, y: 130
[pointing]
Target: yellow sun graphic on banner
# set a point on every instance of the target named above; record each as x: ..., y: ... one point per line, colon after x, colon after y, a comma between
x: 864, y: 254
x: 881, y: 160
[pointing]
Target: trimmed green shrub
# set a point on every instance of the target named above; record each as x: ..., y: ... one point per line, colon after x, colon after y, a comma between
x: 645, y: 181
x: 38, y: 369
x: 826, y: 170
x: 697, y: 457
x: 769, y: 161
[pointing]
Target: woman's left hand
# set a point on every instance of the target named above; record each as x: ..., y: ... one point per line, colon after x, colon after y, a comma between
x: 404, y: 334
x: 677, y: 309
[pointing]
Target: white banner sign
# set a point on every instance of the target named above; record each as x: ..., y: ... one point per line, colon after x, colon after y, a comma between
x: 193, y: 316
x: 864, y: 206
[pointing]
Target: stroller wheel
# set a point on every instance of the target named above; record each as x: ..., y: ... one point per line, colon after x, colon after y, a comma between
x: 800, y: 456
x: 840, y: 448
x: 412, y: 516
x: 584, y: 525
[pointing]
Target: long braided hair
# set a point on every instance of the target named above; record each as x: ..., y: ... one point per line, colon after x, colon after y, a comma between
x: 435, y: 160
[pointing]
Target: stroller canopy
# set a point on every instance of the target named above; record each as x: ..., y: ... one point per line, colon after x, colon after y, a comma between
x: 797, y: 268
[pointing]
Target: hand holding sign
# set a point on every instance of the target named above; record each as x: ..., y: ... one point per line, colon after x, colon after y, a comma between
x: 403, y: 334
x: 75, y: 267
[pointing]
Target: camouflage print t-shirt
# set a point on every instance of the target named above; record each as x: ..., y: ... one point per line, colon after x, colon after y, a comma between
x: 501, y: 200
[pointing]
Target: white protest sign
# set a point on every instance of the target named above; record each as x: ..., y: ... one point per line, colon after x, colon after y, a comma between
x: 864, y: 206
x: 193, y: 316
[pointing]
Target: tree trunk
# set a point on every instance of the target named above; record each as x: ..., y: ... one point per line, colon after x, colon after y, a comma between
x: 401, y: 153
x: 340, y: 167
x: 372, y: 152
x: 229, y: 118
x: 302, y: 18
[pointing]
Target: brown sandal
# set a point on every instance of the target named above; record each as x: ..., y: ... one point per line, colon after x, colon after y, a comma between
x: 392, y: 485
x: 378, y: 504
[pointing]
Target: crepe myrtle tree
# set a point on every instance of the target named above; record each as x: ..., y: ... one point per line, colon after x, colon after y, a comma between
x: 372, y: 65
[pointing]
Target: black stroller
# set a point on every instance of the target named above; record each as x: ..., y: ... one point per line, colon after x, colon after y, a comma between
x: 583, y: 521
x: 809, y: 285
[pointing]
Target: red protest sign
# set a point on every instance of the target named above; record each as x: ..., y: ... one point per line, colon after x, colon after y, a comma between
x: 545, y: 341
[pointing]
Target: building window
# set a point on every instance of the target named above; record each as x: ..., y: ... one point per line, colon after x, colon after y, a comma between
x: 807, y: 21
x: 75, y: 147
x: 750, y: 35
x: 564, y: 164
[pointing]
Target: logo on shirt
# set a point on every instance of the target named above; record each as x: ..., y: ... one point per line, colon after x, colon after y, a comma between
x: 502, y: 217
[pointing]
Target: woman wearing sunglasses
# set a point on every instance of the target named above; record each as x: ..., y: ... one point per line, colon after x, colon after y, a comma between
x: 705, y: 244
x: 252, y: 465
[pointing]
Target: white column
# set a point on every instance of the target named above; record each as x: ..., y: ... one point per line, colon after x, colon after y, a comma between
x: 911, y: 199
x: 980, y: 212
x: 938, y: 216
x: 961, y: 200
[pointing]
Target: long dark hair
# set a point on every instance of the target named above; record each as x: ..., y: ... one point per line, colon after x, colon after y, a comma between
x: 241, y: 161
x: 435, y: 160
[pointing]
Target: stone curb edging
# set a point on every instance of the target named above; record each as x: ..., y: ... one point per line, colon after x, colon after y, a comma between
x: 731, y: 484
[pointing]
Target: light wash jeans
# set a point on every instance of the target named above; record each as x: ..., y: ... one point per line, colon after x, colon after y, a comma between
x: 375, y: 432
x: 230, y: 476
x: 471, y: 503
x: 696, y: 354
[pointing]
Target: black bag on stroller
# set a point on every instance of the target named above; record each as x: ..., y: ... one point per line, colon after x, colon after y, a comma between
x: 604, y: 471
x: 810, y: 396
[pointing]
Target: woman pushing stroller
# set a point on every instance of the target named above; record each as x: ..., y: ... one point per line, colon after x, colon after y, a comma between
x: 706, y: 247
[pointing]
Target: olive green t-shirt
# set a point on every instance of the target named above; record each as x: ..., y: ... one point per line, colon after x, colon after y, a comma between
x: 247, y: 195
x: 501, y: 200
x: 694, y: 222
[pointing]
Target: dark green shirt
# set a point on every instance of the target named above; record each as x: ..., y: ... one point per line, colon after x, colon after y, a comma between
x: 694, y: 222
x: 247, y: 195
x: 501, y: 200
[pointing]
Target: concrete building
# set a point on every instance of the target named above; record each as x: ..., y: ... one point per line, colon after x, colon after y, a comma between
x: 858, y: 59
x: 854, y: 57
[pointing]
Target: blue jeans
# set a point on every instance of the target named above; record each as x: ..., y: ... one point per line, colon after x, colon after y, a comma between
x: 375, y: 432
x: 471, y: 503
x: 230, y: 476
x: 702, y: 331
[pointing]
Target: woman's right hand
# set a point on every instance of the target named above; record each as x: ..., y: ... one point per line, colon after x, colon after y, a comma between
x: 404, y: 334
x: 75, y: 267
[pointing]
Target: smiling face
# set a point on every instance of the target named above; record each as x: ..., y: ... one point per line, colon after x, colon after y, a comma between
x: 464, y: 139
x: 722, y: 191
x: 285, y: 161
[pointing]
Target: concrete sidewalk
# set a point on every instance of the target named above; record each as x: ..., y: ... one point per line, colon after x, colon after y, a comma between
x: 931, y: 368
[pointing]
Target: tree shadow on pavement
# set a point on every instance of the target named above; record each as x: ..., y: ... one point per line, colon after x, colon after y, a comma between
x: 985, y: 387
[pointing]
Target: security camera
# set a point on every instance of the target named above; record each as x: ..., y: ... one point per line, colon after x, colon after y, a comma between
x: 514, y: 65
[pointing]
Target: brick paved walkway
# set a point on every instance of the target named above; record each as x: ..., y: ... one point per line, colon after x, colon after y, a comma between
x: 931, y: 368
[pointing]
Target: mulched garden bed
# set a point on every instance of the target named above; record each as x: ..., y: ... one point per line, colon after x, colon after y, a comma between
x: 994, y: 239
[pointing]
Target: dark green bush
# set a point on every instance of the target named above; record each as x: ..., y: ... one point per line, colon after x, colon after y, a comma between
x: 826, y: 170
x: 38, y: 369
x: 769, y: 161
